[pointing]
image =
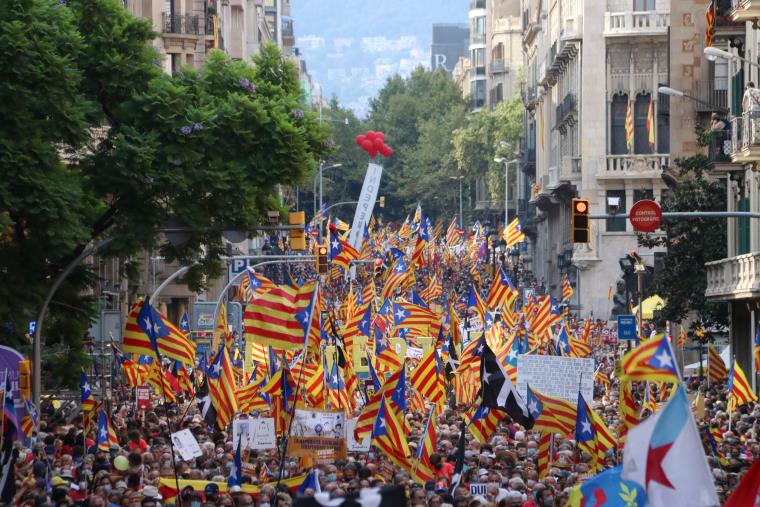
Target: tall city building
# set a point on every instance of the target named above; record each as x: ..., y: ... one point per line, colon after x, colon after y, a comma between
x: 735, y: 156
x: 495, y: 53
x: 450, y: 43
x: 582, y: 80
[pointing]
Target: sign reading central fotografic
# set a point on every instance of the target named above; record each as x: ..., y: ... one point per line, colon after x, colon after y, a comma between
x: 556, y: 376
x: 645, y: 216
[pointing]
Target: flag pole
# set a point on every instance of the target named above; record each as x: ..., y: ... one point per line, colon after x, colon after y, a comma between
x: 168, y: 421
x: 298, y: 386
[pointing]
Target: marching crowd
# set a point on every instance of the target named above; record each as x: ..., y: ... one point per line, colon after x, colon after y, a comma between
x: 63, y: 465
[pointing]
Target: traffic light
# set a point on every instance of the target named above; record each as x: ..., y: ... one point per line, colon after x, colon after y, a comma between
x: 297, y: 237
x: 382, y: 201
x: 579, y: 223
x: 321, y: 259
x: 24, y: 378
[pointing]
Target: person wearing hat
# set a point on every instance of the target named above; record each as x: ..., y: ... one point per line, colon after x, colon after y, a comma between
x: 211, y: 493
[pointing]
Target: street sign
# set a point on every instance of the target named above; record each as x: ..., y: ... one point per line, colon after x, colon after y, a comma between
x: 626, y: 329
x: 645, y: 216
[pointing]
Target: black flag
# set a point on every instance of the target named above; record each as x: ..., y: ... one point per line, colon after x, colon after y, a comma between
x: 8, y: 457
x: 498, y: 391
x: 206, y: 407
x: 456, y: 478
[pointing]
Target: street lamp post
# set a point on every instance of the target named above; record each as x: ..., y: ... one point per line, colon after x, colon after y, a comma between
x: 712, y: 53
x: 672, y: 92
x: 319, y: 175
x: 461, y: 217
x: 501, y: 160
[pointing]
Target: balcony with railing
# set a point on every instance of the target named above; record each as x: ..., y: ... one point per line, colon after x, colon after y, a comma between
x: 630, y: 23
x: 182, y: 24
x: 287, y: 31
x: 713, y: 95
x: 476, y: 39
x: 745, y: 10
x: 565, y: 111
x: 734, y: 277
x: 497, y: 66
x: 633, y: 166
x: 719, y: 150
x: 745, y: 137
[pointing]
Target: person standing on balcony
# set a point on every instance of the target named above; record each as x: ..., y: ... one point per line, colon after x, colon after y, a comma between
x: 751, y: 105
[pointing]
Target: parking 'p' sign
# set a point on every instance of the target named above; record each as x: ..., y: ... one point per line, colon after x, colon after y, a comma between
x: 645, y: 216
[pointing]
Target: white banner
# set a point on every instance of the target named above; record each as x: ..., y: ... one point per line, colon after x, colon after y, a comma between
x: 366, y: 204
x: 315, y: 423
x: 257, y: 434
x: 186, y: 444
x: 352, y: 444
x: 556, y: 376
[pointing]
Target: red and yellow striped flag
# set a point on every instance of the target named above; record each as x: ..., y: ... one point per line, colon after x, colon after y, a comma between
x: 629, y: 127
x: 650, y: 124
x: 513, y: 233
x: 272, y: 318
x: 716, y: 368
x: 221, y: 387
x: 739, y: 390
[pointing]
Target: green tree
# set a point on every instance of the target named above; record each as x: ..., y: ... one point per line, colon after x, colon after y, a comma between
x: 690, y: 244
x: 418, y: 116
x: 98, y: 143
x: 480, y: 141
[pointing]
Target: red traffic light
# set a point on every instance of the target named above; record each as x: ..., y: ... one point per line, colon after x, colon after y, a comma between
x: 323, y: 250
x: 581, y: 206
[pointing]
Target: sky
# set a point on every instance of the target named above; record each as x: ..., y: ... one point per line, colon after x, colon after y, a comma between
x: 351, y: 47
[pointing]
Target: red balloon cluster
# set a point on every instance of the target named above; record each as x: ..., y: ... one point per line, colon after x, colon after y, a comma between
x: 373, y: 143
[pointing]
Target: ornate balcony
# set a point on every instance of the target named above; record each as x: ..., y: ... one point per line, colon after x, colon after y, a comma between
x: 734, y: 277
x: 633, y: 166
x: 629, y: 23
x: 745, y: 138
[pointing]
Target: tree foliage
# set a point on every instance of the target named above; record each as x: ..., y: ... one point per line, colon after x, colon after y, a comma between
x: 419, y: 115
x: 690, y: 244
x: 479, y: 142
x: 204, y: 149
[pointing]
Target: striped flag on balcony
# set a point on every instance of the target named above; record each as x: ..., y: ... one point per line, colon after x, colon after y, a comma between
x: 629, y: 127
x: 650, y: 124
x: 710, y: 18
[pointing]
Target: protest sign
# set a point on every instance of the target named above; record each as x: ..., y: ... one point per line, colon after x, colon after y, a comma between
x: 352, y: 444
x: 142, y: 394
x: 478, y: 489
x: 316, y: 449
x: 319, y: 423
x: 257, y: 434
x: 186, y: 444
x: 556, y: 376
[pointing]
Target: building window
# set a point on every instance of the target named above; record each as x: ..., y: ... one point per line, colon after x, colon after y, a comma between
x: 640, y: 130
x: 643, y: 5
x: 617, y: 224
x: 639, y: 195
x: 663, y: 123
x: 618, y: 109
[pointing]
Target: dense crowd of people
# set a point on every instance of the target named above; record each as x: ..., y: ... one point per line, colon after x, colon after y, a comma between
x: 62, y: 464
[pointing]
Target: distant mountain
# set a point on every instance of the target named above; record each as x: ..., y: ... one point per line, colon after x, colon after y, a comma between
x: 351, y: 47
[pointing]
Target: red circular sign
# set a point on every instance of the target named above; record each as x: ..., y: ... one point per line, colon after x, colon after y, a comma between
x: 645, y: 216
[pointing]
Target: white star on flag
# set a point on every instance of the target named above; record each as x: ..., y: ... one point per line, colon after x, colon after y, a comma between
x: 586, y: 427
x: 664, y: 359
